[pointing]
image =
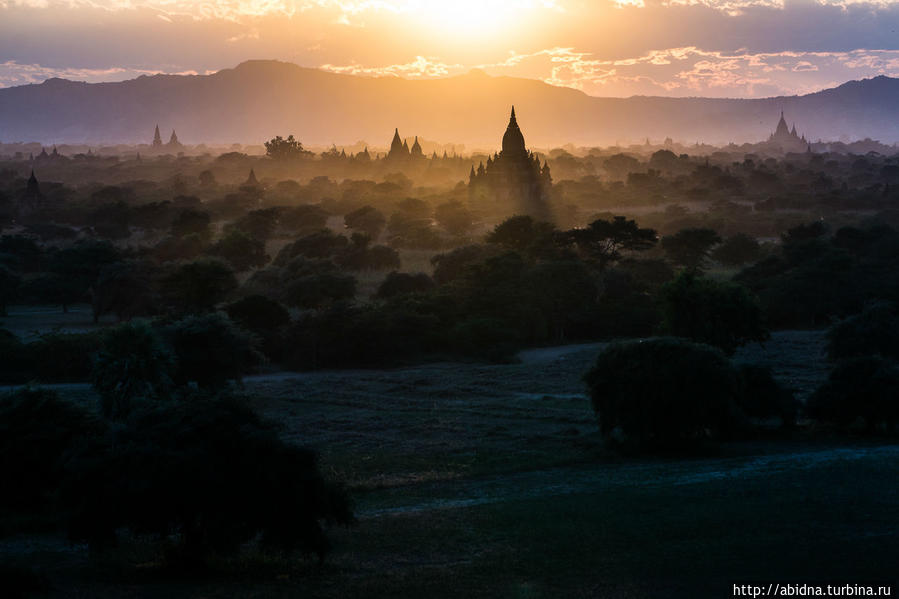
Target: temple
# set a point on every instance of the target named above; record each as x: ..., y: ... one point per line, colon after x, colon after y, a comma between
x: 513, y: 179
x: 785, y: 139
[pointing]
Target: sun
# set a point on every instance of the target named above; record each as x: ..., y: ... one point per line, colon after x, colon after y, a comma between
x: 472, y: 18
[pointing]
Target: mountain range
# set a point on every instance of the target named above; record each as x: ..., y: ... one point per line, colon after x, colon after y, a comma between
x: 260, y: 99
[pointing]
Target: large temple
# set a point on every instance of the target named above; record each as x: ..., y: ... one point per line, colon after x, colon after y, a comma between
x: 785, y: 139
x: 512, y: 179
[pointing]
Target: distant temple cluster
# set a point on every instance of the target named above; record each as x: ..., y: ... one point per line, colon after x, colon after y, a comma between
x: 173, y: 144
x: 786, y: 139
x: 513, y: 178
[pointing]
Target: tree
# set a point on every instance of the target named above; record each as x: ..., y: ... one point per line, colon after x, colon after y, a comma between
x: 761, y: 396
x: 321, y: 244
x: 567, y: 290
x: 620, y: 165
x: 282, y: 149
x: 859, y: 390
x: 452, y: 265
x: 240, y: 250
x: 258, y: 224
x: 199, y: 285
x: 521, y: 233
x: 124, y: 288
x: 133, y: 365
x: 454, y: 218
x: 737, y: 250
x: 367, y: 219
x: 604, y: 240
x: 208, y: 475
x: 663, y: 393
x: 210, y: 350
x: 875, y: 331
x: 402, y: 283
x: 207, y: 178
x: 9, y: 286
x: 192, y: 222
x: 722, y: 314
x: 37, y: 431
x: 690, y: 248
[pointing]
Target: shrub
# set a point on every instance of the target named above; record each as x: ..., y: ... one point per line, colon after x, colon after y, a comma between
x: 859, y: 391
x: 37, y: 429
x: 210, y: 472
x: 663, y: 393
x: 761, y: 396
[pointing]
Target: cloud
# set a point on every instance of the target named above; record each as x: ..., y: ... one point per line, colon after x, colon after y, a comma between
x: 13, y: 73
x: 421, y: 67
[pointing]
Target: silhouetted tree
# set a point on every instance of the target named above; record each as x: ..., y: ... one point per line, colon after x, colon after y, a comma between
x: 722, y: 314
x: 663, y: 393
x: 208, y: 475
x: 9, y: 287
x: 133, y: 365
x: 37, y: 432
x: 258, y: 224
x: 604, y: 240
x: 125, y: 288
x: 859, y: 391
x: 199, y: 285
x: 279, y: 148
x: 522, y: 233
x: 690, y: 248
x: 192, y: 222
x: 402, y: 283
x: 737, y: 250
x: 454, y: 218
x: 367, y: 219
x: 258, y: 313
x: 875, y: 331
x: 240, y: 250
x: 210, y: 350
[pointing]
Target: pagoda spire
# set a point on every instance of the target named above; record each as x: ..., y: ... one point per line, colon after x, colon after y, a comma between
x: 157, y: 139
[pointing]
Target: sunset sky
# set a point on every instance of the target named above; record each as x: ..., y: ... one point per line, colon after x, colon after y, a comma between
x: 722, y: 48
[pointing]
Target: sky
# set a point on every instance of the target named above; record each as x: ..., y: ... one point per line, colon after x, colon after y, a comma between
x: 716, y: 48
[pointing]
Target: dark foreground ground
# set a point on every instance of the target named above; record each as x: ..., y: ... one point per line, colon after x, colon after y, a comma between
x: 490, y: 481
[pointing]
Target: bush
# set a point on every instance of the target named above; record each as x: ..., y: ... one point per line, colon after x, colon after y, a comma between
x: 859, y: 391
x: 199, y: 285
x: 37, y: 430
x: 663, y: 393
x: 210, y: 472
x: 875, y: 331
x: 763, y: 397
x: 718, y: 313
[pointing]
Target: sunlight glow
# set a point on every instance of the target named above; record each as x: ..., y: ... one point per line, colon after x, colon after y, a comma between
x: 472, y: 18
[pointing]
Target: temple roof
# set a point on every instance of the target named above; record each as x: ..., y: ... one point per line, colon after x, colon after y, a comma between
x: 513, y: 140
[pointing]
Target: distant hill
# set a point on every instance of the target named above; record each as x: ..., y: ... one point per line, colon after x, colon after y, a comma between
x: 260, y: 99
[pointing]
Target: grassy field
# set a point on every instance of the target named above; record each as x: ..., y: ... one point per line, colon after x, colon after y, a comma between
x: 490, y: 481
